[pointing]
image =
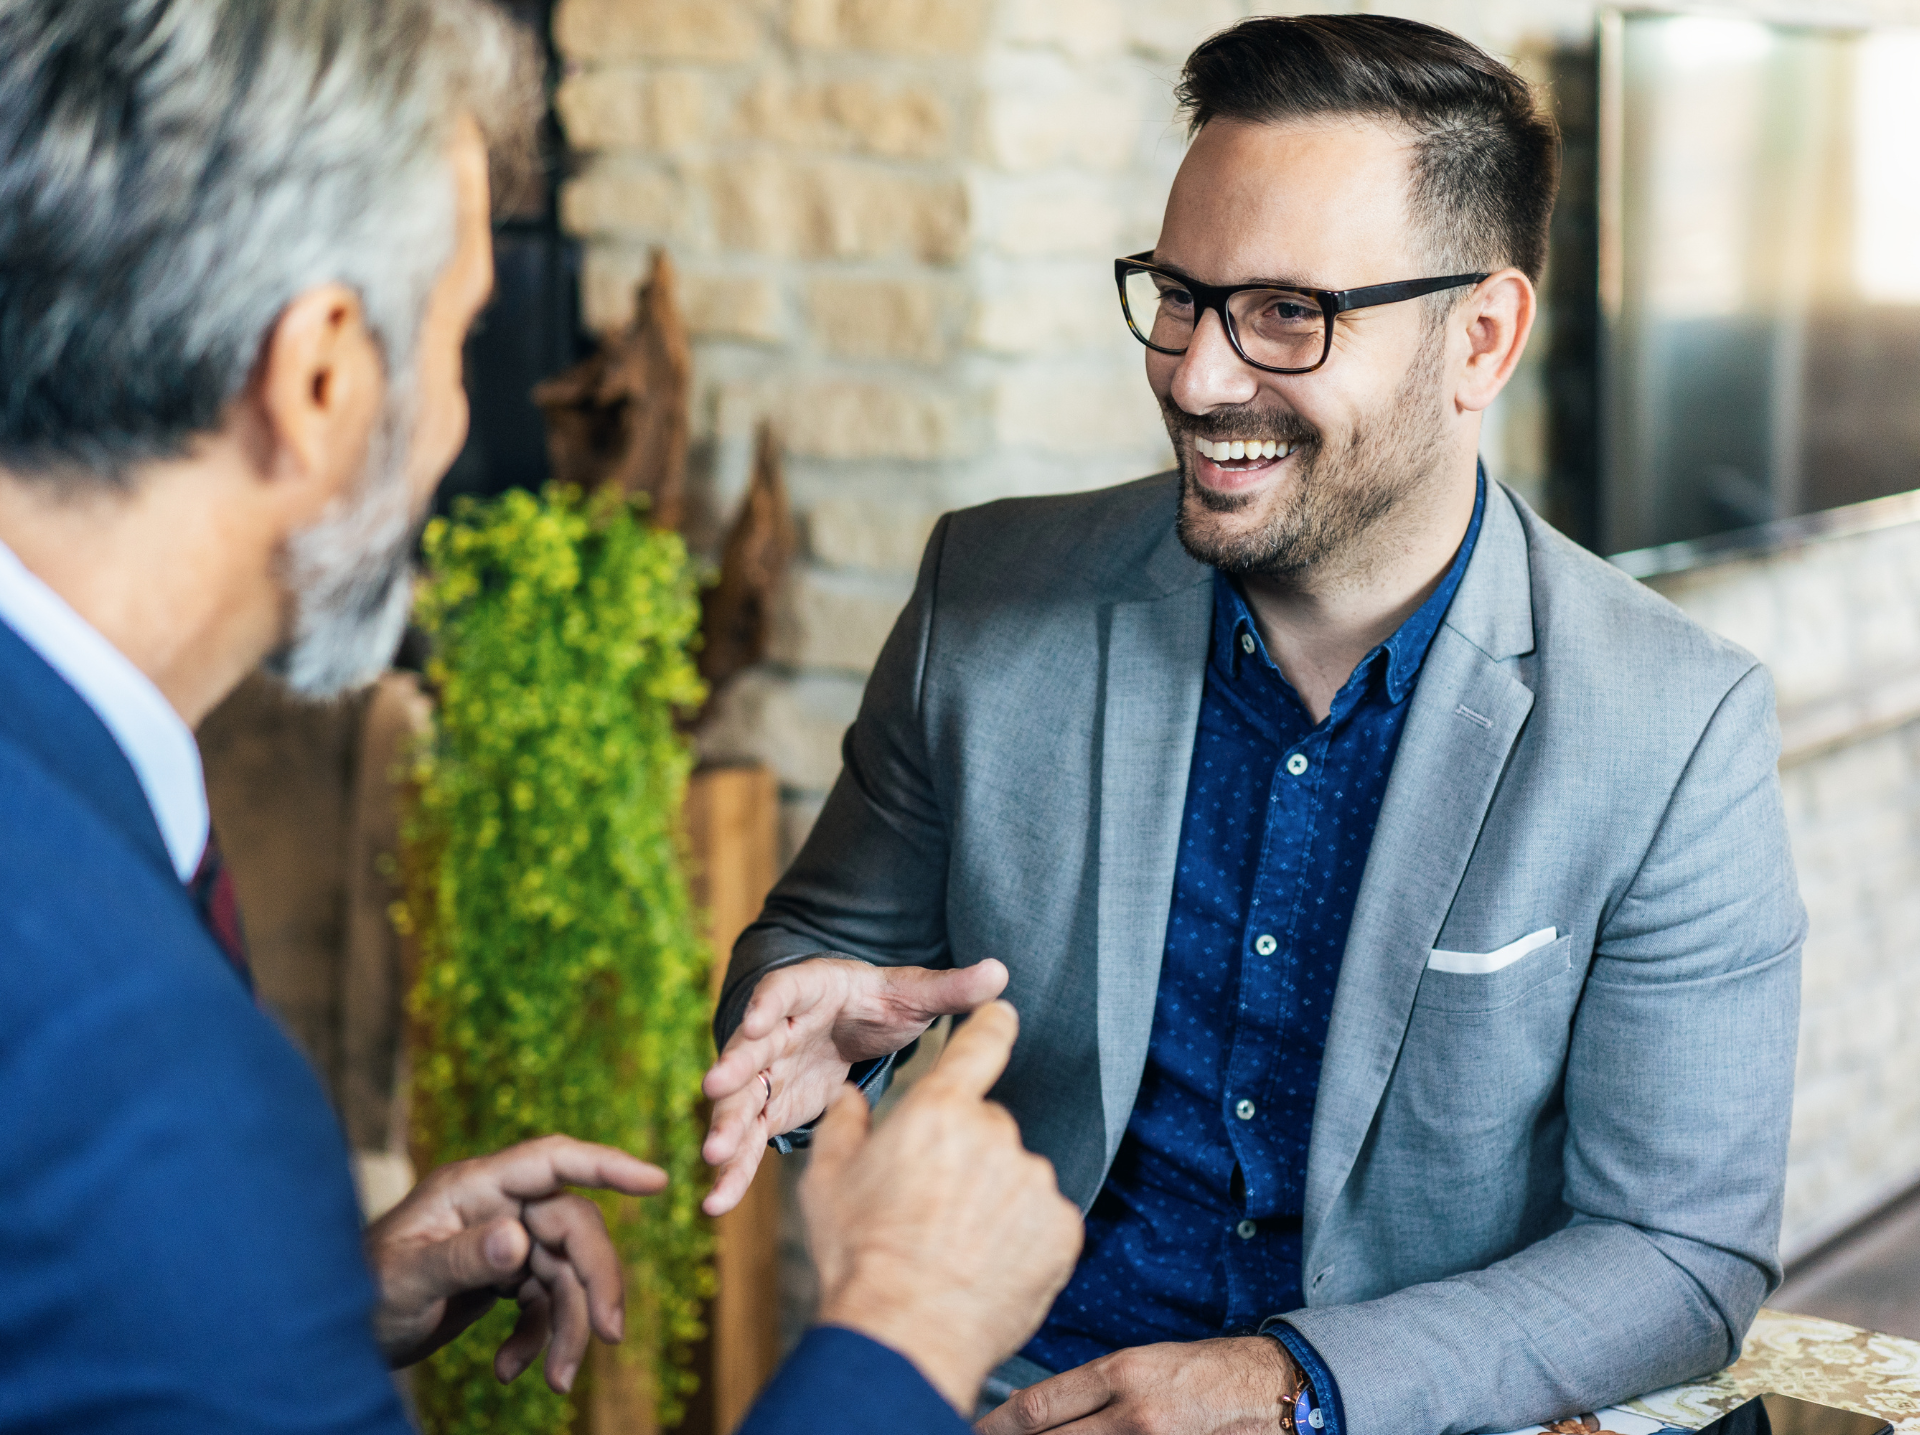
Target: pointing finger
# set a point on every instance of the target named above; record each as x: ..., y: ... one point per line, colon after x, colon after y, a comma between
x: 841, y: 1132
x: 976, y: 1054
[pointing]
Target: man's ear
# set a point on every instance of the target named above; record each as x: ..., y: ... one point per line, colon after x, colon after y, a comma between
x: 320, y: 388
x: 1497, y: 317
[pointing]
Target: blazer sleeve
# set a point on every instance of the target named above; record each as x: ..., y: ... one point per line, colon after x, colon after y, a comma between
x: 870, y: 882
x: 181, y: 1250
x: 1678, y: 1092
x: 840, y: 1380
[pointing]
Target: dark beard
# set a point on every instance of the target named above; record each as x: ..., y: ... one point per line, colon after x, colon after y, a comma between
x: 1340, y: 495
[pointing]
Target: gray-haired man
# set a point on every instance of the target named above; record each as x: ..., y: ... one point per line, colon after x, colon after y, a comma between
x: 241, y: 244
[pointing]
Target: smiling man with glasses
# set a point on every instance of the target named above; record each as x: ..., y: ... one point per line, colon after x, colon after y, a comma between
x: 1396, y: 896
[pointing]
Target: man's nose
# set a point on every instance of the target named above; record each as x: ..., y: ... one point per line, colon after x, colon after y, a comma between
x: 1210, y: 374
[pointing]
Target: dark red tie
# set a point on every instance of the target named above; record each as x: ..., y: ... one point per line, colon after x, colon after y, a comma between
x: 211, y: 889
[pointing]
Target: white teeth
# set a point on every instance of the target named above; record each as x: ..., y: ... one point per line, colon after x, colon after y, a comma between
x: 1241, y: 450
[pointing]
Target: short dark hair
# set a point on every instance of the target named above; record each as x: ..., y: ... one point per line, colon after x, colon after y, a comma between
x: 1486, y: 152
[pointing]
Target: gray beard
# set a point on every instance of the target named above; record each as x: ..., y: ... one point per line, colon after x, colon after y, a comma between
x: 351, y: 575
x: 1339, y: 496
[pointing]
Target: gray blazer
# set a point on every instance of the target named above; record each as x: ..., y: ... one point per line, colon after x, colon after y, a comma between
x: 1532, y: 1189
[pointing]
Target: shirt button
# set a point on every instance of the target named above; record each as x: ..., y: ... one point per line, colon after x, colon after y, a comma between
x: 1246, y: 642
x: 1244, y: 1109
x: 1297, y: 764
x: 1265, y: 945
x: 1246, y: 1230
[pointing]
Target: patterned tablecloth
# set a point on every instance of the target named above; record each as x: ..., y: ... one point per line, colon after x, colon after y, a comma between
x: 1800, y: 1355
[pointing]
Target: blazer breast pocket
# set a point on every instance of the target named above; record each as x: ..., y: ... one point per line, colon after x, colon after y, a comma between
x: 1491, y: 981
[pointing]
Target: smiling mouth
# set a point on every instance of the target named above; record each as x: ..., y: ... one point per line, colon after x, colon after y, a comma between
x: 1242, y: 455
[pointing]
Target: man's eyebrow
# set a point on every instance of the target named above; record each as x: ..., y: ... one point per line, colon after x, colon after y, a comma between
x: 1273, y: 283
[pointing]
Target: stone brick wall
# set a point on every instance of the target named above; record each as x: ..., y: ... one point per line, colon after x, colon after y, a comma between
x: 895, y: 220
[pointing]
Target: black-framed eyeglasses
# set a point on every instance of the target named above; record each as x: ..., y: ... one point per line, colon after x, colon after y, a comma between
x: 1278, y: 328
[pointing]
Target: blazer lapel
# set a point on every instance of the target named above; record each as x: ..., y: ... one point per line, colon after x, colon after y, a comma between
x: 1466, y: 713
x: 1151, y: 684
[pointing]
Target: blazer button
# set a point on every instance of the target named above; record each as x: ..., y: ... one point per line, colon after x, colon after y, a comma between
x: 1246, y: 1230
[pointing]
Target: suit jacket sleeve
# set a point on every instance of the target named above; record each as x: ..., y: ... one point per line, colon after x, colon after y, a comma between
x: 841, y: 1381
x: 881, y: 832
x: 1678, y: 1096
x: 182, y: 1250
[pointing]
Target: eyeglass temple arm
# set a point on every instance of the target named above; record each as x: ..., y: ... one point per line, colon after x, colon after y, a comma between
x: 1366, y: 298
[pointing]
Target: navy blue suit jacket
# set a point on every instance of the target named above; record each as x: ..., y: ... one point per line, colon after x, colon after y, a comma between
x: 179, y: 1241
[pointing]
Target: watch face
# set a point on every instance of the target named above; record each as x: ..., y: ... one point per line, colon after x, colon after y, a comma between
x: 1783, y: 1415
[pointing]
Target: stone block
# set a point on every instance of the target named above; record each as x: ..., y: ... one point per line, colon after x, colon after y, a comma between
x: 895, y: 27
x: 603, y: 31
x: 878, y: 318
x: 1039, y: 112
x: 604, y: 109
x: 836, y: 620
x: 851, y: 533
x: 608, y: 275
x: 1074, y: 412
x: 905, y: 123
x: 677, y: 107
x: 732, y: 306
x: 896, y: 122
x: 869, y: 420
x: 1079, y: 27
x: 754, y: 205
x: 792, y: 724
x: 837, y: 210
x: 1026, y: 312
x: 626, y: 201
x: 849, y: 211
x: 1031, y: 217
x: 1169, y: 32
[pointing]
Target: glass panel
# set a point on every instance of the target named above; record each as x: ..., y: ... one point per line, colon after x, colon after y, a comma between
x: 1760, y: 272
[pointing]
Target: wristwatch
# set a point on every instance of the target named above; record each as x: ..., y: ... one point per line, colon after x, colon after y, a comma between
x: 1306, y: 1415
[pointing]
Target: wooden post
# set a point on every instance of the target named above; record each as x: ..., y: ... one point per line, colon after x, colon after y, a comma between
x: 732, y: 817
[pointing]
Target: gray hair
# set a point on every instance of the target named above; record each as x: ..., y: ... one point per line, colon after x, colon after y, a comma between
x: 173, y: 173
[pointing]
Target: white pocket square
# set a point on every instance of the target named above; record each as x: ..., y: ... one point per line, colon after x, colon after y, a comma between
x: 1479, y: 964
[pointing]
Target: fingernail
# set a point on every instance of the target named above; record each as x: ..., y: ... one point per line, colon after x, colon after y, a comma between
x: 566, y: 1378
x: 498, y: 1249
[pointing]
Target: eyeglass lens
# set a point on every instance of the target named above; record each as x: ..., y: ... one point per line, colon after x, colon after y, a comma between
x: 1281, y: 328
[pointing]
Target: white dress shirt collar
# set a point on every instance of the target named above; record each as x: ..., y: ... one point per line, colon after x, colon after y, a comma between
x: 157, y: 743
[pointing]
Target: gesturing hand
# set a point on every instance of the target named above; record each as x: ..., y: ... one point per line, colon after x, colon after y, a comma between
x: 506, y: 1226
x: 938, y: 1234
x: 1238, y: 1385
x: 806, y: 1025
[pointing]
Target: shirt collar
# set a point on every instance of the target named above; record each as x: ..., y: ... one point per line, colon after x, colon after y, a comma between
x: 1405, y: 651
x: 157, y: 743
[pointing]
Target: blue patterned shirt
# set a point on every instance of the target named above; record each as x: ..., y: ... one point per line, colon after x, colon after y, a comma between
x: 1197, y: 1230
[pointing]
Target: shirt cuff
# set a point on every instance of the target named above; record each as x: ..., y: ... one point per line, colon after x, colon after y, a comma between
x: 870, y: 1076
x: 1326, y: 1394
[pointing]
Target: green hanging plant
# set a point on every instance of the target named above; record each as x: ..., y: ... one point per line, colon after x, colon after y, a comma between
x: 562, y: 980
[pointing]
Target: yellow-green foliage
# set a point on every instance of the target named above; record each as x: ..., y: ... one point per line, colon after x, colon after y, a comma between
x: 562, y: 983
